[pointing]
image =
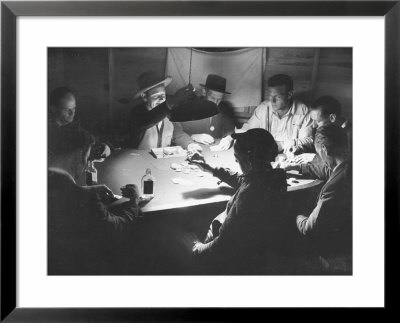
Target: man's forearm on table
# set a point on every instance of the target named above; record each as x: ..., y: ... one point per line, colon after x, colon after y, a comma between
x: 315, y: 169
x: 229, y: 177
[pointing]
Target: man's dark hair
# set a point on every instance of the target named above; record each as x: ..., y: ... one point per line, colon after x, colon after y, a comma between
x: 281, y: 80
x: 68, y: 139
x: 327, y: 105
x: 259, y: 142
x: 334, y: 138
x: 57, y: 94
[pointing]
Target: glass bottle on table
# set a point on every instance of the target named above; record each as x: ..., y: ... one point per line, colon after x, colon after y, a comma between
x: 148, y: 182
x: 91, y: 174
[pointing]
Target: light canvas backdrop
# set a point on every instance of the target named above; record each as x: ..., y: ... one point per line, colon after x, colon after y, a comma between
x: 244, y: 81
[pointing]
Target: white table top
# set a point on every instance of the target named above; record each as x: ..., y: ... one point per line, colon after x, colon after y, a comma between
x: 128, y: 166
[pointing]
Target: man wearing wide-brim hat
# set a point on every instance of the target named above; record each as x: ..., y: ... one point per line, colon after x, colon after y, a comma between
x: 191, y: 134
x: 151, y: 126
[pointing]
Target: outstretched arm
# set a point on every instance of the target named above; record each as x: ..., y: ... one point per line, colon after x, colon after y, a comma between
x: 145, y: 119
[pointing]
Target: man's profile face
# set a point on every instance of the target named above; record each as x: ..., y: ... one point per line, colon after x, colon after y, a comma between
x: 319, y: 119
x: 155, y: 96
x: 279, y: 97
x: 65, y: 110
x: 214, y: 96
x: 241, y: 157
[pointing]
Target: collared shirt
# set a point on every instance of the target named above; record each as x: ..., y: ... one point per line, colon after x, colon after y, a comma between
x: 295, y: 125
x: 156, y: 137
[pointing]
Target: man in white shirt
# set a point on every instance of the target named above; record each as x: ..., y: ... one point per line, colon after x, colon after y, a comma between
x: 288, y: 120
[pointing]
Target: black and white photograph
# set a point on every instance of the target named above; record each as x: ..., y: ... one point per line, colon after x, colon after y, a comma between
x: 199, y: 161
x: 193, y: 160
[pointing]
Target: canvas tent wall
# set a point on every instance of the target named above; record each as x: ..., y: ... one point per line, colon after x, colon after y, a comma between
x: 243, y: 69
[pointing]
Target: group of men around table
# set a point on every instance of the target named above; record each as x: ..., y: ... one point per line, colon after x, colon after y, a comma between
x: 86, y: 236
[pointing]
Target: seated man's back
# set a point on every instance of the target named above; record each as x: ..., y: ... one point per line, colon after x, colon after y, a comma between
x: 333, y: 233
x: 83, y: 234
x: 249, y: 241
x: 329, y: 226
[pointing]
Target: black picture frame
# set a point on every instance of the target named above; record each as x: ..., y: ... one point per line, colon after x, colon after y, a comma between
x: 11, y: 10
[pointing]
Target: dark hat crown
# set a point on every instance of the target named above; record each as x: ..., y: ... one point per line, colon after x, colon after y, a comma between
x: 216, y: 83
x: 148, y: 79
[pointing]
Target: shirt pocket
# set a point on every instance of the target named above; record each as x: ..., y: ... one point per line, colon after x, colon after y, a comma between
x: 296, y: 124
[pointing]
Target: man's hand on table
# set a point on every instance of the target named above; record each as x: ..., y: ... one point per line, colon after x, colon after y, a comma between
x: 193, y: 147
x: 102, y: 190
x: 197, y: 159
x: 193, y: 155
x: 131, y: 192
x: 290, y: 149
x: 203, y: 138
x: 225, y: 143
x: 304, y: 158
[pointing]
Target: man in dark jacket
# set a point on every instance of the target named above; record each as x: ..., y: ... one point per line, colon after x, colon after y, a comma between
x: 329, y: 226
x: 83, y: 235
x: 245, y: 239
x: 61, y: 113
x: 190, y: 134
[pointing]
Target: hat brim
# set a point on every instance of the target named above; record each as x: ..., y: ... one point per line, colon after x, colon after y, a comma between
x: 214, y: 89
x: 196, y: 109
x: 166, y: 82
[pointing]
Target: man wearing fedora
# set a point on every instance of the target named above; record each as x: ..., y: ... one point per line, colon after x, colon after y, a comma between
x: 151, y: 126
x: 204, y: 131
